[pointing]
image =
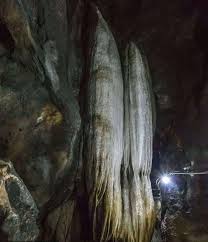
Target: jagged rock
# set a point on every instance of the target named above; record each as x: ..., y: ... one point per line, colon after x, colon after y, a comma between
x: 18, y: 210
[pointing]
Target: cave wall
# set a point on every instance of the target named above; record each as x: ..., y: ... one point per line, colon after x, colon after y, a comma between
x: 77, y: 123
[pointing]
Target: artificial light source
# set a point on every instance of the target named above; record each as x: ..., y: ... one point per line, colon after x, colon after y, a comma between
x: 166, y: 179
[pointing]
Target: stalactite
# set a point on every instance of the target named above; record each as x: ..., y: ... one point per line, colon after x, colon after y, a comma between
x: 105, y: 132
x: 138, y: 137
x: 119, y: 135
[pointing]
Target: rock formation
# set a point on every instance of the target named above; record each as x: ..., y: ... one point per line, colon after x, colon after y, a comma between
x: 18, y: 212
x: 78, y: 115
x: 119, y: 133
x: 77, y: 123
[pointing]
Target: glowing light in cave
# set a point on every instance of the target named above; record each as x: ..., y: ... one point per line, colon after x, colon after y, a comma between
x: 165, y: 180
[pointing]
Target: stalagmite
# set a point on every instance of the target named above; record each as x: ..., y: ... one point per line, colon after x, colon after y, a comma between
x: 119, y: 132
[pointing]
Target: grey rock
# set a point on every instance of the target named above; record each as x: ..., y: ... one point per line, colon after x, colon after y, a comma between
x: 19, y: 222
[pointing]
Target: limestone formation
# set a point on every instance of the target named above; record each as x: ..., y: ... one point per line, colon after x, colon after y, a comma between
x: 77, y: 120
x: 104, y: 132
x: 119, y: 141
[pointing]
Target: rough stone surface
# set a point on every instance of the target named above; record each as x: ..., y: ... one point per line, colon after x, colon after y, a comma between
x: 18, y: 211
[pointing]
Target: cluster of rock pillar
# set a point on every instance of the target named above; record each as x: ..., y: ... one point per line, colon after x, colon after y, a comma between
x: 119, y: 133
x: 108, y: 128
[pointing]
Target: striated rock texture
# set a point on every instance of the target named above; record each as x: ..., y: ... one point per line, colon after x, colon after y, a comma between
x: 104, y: 131
x: 119, y: 135
x: 137, y: 161
x: 77, y: 120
